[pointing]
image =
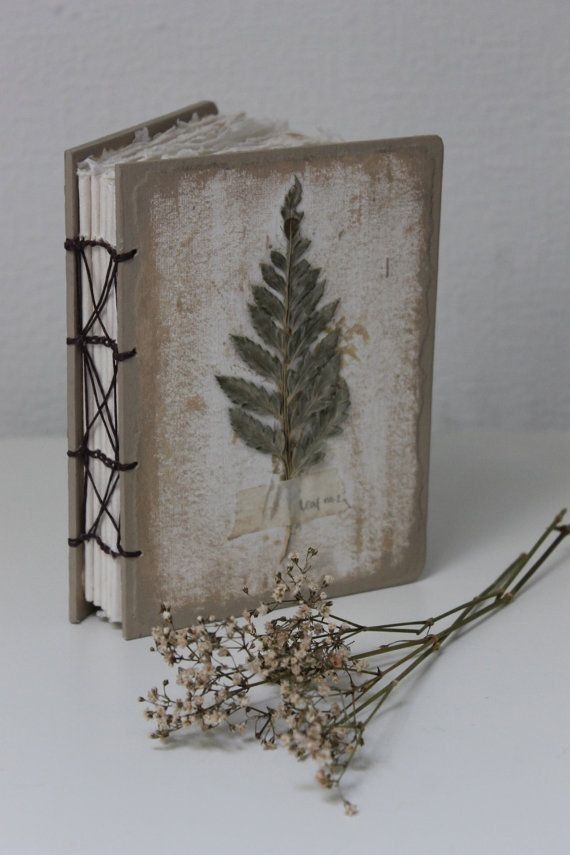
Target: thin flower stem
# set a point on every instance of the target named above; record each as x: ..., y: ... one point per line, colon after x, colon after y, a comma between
x: 388, y: 648
x: 504, y: 579
x: 397, y: 628
x: 564, y: 532
x: 358, y: 626
x: 501, y: 593
x: 380, y: 702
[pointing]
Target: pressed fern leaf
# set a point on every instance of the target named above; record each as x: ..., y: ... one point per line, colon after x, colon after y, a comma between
x: 254, y: 433
x: 250, y: 396
x: 306, y: 398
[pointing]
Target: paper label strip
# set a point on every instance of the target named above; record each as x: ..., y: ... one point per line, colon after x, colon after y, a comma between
x: 285, y: 503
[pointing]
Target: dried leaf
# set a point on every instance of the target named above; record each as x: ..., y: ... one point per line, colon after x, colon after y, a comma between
x: 309, y: 400
x: 299, y: 270
x: 323, y: 352
x: 250, y: 396
x: 273, y: 279
x: 269, y: 303
x: 310, y: 329
x: 308, y: 302
x: 317, y: 394
x: 300, y: 246
x: 278, y: 260
x: 257, y: 358
x: 320, y: 427
x: 266, y: 329
x: 254, y: 433
x: 293, y: 195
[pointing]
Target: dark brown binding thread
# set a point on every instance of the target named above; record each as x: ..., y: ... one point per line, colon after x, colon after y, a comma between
x: 105, y: 399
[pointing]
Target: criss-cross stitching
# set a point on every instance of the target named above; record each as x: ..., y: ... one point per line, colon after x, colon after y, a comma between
x: 99, y: 394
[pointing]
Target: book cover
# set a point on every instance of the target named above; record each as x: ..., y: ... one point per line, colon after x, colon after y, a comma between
x: 281, y: 306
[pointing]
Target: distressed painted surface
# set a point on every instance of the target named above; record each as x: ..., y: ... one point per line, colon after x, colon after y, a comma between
x: 205, y: 233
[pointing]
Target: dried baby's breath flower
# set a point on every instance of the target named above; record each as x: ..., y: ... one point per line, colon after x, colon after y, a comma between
x: 349, y: 808
x: 297, y: 681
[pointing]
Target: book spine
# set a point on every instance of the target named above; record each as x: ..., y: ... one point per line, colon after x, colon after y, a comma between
x: 100, y: 360
x: 79, y: 605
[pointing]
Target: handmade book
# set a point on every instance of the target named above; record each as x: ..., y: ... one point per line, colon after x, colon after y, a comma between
x: 250, y: 340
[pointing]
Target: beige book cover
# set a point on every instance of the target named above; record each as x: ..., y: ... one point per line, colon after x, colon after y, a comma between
x: 280, y: 311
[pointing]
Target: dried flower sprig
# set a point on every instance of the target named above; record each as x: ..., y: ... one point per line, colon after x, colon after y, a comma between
x: 324, y: 693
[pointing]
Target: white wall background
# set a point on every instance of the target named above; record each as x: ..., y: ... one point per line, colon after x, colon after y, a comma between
x: 491, y: 77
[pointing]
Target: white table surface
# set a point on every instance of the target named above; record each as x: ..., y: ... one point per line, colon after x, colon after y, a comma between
x: 474, y: 759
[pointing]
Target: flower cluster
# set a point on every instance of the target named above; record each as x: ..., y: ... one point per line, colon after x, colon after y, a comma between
x: 223, y: 665
x: 294, y: 678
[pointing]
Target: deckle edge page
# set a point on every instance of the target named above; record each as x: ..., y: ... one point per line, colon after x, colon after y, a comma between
x: 134, y: 184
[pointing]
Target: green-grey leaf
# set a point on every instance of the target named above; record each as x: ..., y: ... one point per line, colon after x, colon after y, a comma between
x: 313, y: 457
x: 266, y: 329
x: 293, y: 196
x: 278, y: 260
x: 305, y: 280
x: 257, y: 358
x: 322, y: 426
x: 322, y: 353
x: 331, y: 419
x: 291, y: 223
x: 308, y: 447
x: 254, y: 433
x: 308, y: 302
x: 268, y: 302
x: 250, y: 396
x: 272, y: 278
x: 310, y: 330
x: 341, y: 404
x: 299, y: 247
x: 302, y: 285
x: 318, y: 392
x: 298, y: 270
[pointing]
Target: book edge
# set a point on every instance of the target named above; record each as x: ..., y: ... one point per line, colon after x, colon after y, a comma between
x: 79, y: 608
x: 432, y: 143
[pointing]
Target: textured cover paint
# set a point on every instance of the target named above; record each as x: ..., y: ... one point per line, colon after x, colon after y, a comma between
x: 201, y: 228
